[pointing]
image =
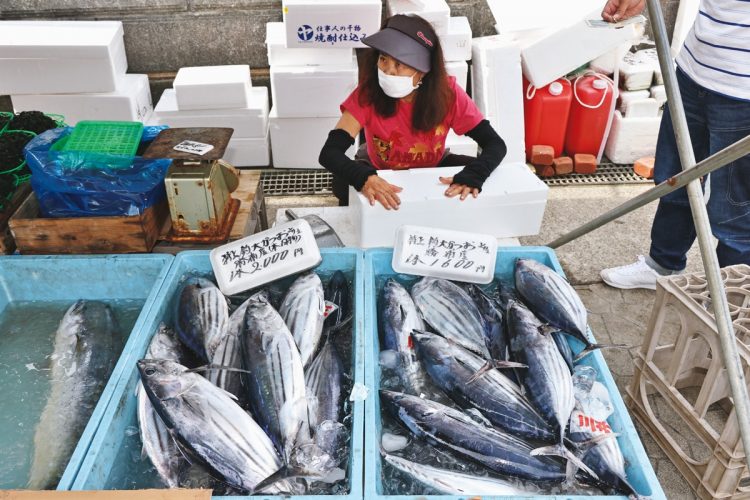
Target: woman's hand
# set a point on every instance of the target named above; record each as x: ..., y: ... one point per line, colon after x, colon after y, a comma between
x: 376, y: 188
x: 619, y: 10
x: 458, y: 189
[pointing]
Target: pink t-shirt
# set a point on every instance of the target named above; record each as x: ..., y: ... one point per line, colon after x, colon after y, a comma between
x: 393, y: 144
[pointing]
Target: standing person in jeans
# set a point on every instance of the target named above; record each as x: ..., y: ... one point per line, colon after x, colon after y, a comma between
x: 713, y: 73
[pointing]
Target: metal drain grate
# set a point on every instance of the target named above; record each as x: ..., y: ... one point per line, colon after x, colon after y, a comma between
x: 606, y: 173
x: 296, y: 182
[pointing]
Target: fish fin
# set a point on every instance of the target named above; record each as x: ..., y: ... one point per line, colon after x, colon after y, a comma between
x: 546, y: 329
x: 285, y: 473
x: 209, y: 367
x: 584, y: 447
x: 593, y: 347
x: 561, y: 451
x: 490, y: 365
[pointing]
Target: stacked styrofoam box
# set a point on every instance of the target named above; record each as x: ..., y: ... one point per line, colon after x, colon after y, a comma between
x: 220, y: 96
x: 308, y: 85
x: 497, y: 90
x: 73, y: 68
x: 436, y: 12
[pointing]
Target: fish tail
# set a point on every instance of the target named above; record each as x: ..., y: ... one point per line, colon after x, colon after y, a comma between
x: 593, y: 347
x: 490, y: 365
x: 560, y: 450
x: 283, y: 474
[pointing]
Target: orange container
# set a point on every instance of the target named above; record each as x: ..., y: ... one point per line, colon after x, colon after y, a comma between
x: 589, y: 114
x: 546, y: 113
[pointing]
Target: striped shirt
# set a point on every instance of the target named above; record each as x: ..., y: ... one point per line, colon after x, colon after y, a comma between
x: 716, y: 54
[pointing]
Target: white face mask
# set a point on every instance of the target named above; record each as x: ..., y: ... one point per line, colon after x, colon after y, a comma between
x: 396, y: 86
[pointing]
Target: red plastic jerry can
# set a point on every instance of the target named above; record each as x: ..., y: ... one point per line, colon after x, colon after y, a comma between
x: 589, y: 114
x: 546, y: 113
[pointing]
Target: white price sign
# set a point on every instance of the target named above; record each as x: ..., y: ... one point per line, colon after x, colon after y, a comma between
x: 253, y: 261
x: 196, y: 148
x: 440, y: 253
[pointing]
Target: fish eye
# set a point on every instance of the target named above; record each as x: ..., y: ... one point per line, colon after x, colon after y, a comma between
x: 150, y: 372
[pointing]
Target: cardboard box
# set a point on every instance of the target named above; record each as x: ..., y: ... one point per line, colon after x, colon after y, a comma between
x: 131, y: 102
x: 59, y: 57
x: 461, y: 144
x: 213, y: 87
x: 280, y: 55
x: 312, y: 91
x: 296, y: 142
x: 459, y: 69
x: 330, y: 23
x: 248, y: 152
x: 555, y: 53
x: 251, y: 121
x: 436, y: 12
x: 632, y: 138
x: 497, y: 90
x: 456, y: 42
x: 513, y: 195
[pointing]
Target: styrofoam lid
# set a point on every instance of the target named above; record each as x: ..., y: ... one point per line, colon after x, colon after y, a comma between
x: 459, y: 24
x: 313, y: 69
x: 264, y: 257
x: 442, y: 253
x: 58, y: 39
x: 207, y: 75
x: 167, y: 105
x: 275, y: 34
x: 555, y: 88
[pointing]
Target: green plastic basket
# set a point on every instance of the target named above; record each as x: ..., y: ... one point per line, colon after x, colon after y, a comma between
x: 119, y: 138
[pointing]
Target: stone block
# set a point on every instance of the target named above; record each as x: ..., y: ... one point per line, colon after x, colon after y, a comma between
x: 37, y: 8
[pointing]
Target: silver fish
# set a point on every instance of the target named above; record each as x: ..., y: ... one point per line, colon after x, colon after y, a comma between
x: 201, y: 317
x: 158, y: 444
x: 455, y: 483
x: 83, y: 359
x: 323, y: 380
x: 303, y: 310
x: 451, y: 312
x: 210, y: 426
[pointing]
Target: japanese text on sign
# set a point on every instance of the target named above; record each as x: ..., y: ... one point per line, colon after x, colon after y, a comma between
x: 434, y: 251
x: 595, y: 426
x: 271, y: 250
x: 194, y: 147
x: 331, y: 33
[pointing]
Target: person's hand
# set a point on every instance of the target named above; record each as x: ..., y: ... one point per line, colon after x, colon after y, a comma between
x: 458, y: 189
x: 619, y: 10
x: 376, y: 188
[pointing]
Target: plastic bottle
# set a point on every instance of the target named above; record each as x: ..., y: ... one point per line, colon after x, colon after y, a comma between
x: 589, y: 114
x: 546, y: 113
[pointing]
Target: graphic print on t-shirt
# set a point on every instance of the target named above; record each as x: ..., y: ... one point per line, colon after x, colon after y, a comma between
x: 394, y: 151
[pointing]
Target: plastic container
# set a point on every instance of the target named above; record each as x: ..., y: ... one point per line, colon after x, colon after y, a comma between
x: 377, y: 270
x: 120, y: 138
x: 102, y: 468
x: 545, y: 112
x: 589, y: 114
x: 45, y: 279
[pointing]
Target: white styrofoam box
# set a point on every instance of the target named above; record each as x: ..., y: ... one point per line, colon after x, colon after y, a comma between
x: 130, y: 102
x: 251, y: 121
x: 248, y: 151
x: 635, y: 74
x: 632, y: 138
x: 605, y: 63
x: 459, y: 69
x: 461, y: 144
x: 309, y: 91
x: 213, y: 87
x: 513, y: 194
x: 436, y: 12
x: 311, y: 23
x: 280, y: 55
x: 456, y: 42
x: 58, y: 57
x: 549, y: 56
x: 650, y: 57
x: 642, y: 108
x: 296, y: 142
x: 625, y: 97
x: 497, y: 90
x: 512, y: 17
x: 659, y: 92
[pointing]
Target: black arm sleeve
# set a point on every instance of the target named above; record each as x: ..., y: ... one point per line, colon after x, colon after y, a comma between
x: 333, y: 158
x: 493, y: 151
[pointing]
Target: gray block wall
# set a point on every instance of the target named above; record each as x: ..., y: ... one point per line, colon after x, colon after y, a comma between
x: 163, y: 35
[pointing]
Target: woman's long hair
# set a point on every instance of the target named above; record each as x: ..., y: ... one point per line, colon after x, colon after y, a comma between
x: 433, y: 98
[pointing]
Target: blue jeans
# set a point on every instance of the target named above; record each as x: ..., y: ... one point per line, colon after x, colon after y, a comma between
x: 714, y: 122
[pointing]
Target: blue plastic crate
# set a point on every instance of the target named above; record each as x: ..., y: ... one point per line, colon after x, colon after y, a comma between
x: 99, y: 470
x: 44, y: 279
x: 377, y: 269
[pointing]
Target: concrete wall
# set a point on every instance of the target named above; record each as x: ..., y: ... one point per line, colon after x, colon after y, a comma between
x: 163, y: 35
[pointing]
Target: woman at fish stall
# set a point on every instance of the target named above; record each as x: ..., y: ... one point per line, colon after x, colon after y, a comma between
x: 407, y: 103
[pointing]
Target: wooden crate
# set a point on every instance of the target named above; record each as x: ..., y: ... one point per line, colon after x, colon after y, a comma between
x: 7, y: 244
x: 86, y: 235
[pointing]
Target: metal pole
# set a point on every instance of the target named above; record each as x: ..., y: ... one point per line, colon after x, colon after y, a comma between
x: 714, y: 162
x: 703, y: 229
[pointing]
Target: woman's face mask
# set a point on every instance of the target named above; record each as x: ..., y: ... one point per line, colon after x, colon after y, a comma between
x: 396, y: 86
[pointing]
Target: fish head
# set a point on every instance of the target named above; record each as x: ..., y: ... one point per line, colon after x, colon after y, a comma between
x: 430, y: 346
x: 164, y: 379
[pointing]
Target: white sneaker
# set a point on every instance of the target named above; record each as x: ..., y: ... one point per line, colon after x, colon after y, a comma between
x: 636, y: 275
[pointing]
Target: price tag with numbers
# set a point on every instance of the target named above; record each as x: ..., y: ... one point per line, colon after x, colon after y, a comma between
x: 440, y: 253
x: 253, y: 261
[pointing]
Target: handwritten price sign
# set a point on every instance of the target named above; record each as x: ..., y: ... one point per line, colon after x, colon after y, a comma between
x: 264, y: 257
x: 440, y: 253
